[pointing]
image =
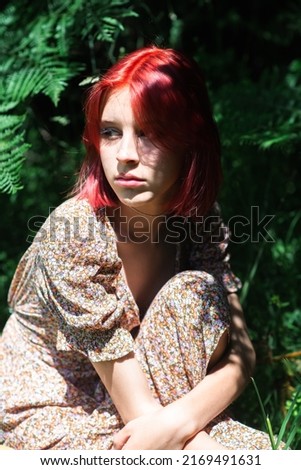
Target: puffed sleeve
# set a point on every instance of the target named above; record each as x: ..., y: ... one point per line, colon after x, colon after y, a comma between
x: 78, y: 283
x: 209, y: 249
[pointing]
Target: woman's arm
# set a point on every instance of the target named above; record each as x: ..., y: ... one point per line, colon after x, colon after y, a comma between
x: 241, y: 345
x: 151, y: 426
x: 148, y: 424
x: 127, y: 386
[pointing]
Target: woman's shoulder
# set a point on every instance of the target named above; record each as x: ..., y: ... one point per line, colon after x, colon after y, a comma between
x: 72, y: 225
x: 74, y: 208
x: 74, y: 220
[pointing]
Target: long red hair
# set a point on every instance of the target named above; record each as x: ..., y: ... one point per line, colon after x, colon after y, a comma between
x: 171, y: 105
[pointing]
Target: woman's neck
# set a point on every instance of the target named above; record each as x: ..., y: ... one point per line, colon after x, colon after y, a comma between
x: 134, y: 226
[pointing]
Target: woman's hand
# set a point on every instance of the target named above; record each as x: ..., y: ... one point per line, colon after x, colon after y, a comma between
x: 162, y: 430
x: 158, y: 430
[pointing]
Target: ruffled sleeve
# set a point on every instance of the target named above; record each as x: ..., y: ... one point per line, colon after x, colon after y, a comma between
x: 209, y: 249
x: 78, y: 283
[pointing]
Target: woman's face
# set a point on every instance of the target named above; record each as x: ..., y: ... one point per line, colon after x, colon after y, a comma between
x: 141, y: 175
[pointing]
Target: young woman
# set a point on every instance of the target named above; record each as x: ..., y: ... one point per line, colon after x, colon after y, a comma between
x: 126, y: 331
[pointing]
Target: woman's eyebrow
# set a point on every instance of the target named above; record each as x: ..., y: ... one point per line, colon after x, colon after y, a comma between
x: 108, y: 122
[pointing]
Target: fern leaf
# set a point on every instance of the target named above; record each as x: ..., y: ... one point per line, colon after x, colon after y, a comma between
x: 4, y: 107
x: 12, y: 152
x: 24, y: 83
x: 9, y: 143
x: 10, y: 122
x: 10, y: 169
x: 39, y: 56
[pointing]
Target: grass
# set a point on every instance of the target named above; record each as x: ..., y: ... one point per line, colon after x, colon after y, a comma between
x: 289, y: 427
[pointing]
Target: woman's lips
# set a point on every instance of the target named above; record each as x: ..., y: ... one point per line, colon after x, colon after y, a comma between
x: 128, y: 181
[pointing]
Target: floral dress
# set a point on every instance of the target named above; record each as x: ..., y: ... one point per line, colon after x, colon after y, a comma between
x: 70, y: 305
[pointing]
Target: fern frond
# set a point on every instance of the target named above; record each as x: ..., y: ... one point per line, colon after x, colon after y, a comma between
x: 19, y: 85
x: 9, y: 122
x: 39, y: 55
x: 10, y: 166
x: 12, y: 151
x: 4, y: 107
x: 56, y: 75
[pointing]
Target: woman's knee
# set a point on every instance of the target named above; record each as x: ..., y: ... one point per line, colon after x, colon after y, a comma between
x: 192, y: 297
x: 182, y: 328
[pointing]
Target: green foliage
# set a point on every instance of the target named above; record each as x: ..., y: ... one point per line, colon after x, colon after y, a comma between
x: 39, y: 56
x: 290, y: 425
x: 250, y: 53
x: 294, y: 405
x: 12, y: 149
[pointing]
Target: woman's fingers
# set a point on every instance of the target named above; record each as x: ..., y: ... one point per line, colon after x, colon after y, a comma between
x: 120, y: 439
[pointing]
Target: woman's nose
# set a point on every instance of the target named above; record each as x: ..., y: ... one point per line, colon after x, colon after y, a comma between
x: 128, y: 149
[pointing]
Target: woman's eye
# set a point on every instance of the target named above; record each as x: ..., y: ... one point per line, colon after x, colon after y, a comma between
x: 109, y: 132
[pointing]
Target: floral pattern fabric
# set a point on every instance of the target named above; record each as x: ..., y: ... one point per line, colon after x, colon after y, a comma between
x: 70, y: 305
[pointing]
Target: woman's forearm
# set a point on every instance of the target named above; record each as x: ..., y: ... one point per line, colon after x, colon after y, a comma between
x: 127, y: 386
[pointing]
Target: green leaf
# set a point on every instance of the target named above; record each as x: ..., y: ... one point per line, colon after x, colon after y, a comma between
x: 277, y: 140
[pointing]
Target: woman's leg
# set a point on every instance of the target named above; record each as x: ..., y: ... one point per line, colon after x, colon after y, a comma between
x: 177, y: 337
x: 179, y: 333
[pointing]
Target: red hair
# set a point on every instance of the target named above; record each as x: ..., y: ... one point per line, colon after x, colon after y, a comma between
x: 171, y: 105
